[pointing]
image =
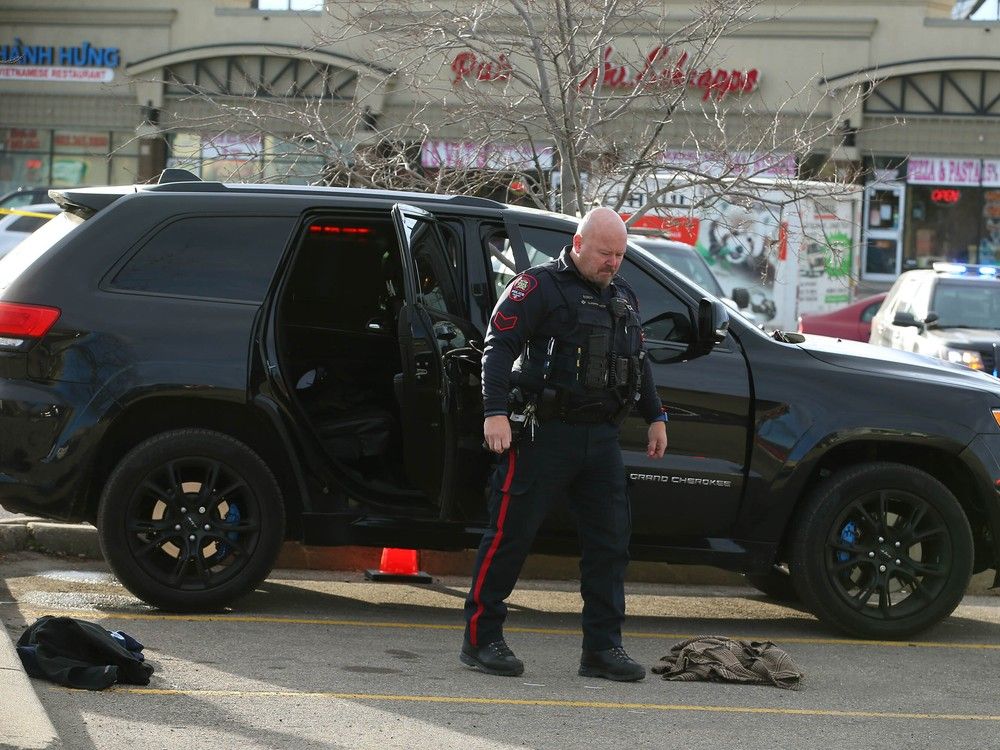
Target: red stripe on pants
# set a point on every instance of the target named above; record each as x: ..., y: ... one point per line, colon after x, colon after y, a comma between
x: 504, y: 502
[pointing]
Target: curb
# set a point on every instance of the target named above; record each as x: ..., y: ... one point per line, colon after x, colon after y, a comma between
x: 73, y: 539
x: 25, y: 724
x: 80, y: 540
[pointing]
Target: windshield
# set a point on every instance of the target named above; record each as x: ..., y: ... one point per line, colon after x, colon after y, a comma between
x: 687, y: 261
x: 967, y: 305
x: 34, y: 246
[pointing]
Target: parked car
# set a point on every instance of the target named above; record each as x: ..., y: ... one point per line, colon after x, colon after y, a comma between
x: 687, y: 260
x: 852, y: 322
x: 950, y: 311
x: 25, y: 196
x: 14, y: 227
x: 204, y: 370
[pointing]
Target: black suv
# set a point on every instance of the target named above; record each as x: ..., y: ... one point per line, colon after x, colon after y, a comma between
x: 950, y: 311
x: 204, y: 370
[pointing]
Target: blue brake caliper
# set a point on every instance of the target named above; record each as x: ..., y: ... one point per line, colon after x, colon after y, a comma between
x: 232, y: 517
x: 848, y: 535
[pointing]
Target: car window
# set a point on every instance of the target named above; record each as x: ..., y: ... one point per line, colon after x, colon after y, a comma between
x: 434, y: 265
x: 901, y: 295
x: 26, y: 224
x: 687, y: 262
x: 664, y: 316
x: 19, y: 200
x: 212, y: 257
x: 967, y: 305
x: 540, y: 244
x: 869, y: 312
x: 921, y: 298
x: 34, y: 246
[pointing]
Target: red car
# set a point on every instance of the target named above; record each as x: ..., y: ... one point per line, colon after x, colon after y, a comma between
x: 853, y: 321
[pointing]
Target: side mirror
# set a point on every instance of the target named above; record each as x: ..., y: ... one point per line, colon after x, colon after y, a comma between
x: 713, y: 325
x: 741, y: 296
x: 906, y: 320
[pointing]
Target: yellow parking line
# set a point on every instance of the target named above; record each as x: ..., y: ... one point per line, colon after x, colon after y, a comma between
x: 280, y: 620
x: 549, y: 703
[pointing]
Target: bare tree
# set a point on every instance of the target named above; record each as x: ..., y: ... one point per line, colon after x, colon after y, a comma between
x: 567, y: 103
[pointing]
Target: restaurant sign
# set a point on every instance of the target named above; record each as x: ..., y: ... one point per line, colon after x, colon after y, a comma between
x: 661, y: 68
x: 36, y: 62
x: 928, y: 170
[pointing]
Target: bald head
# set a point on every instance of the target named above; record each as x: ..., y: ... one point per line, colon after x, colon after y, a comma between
x: 599, y: 245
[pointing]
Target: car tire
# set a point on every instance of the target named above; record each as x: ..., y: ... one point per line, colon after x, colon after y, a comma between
x: 881, y: 550
x: 774, y: 585
x: 190, y: 520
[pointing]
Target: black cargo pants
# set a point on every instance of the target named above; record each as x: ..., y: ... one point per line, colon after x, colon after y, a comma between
x: 584, y: 462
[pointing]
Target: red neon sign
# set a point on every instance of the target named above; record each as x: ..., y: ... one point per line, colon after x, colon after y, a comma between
x: 945, y: 195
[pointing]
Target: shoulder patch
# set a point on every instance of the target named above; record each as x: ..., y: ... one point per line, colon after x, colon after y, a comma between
x: 522, y: 286
x: 504, y: 322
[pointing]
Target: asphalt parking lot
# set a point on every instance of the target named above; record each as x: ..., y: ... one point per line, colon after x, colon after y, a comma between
x: 326, y: 660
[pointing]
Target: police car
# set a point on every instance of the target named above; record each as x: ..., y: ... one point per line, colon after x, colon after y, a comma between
x: 950, y: 311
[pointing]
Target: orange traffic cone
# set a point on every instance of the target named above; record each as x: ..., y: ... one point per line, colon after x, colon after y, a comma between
x: 399, y: 565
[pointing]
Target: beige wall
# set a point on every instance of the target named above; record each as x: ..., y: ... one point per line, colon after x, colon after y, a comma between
x: 804, y: 42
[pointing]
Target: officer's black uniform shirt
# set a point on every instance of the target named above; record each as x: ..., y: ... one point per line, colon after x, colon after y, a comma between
x: 532, y: 308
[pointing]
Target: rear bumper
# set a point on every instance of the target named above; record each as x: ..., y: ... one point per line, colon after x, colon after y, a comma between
x: 42, y: 458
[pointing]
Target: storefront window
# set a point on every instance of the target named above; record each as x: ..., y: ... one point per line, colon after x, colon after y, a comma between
x: 232, y: 157
x: 989, y: 245
x: 292, y: 162
x: 944, y: 225
x: 883, y: 210
x: 124, y: 159
x: 80, y: 158
x: 24, y: 157
x: 246, y: 157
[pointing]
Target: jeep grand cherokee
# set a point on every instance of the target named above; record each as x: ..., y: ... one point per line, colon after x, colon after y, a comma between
x: 204, y: 370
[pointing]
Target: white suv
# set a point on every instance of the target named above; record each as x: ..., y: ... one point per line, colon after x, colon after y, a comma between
x: 951, y: 311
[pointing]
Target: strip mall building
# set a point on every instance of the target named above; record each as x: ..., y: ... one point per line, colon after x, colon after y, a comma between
x: 82, y: 94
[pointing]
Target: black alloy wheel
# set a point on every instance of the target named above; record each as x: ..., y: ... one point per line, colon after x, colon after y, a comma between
x: 190, y: 520
x: 882, y: 550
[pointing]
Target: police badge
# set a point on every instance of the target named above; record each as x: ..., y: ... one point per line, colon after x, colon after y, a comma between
x: 522, y: 286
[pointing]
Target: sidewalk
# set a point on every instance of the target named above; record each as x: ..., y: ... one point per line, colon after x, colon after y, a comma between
x: 24, y: 724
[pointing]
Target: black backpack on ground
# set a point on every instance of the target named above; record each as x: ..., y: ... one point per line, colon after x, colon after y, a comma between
x: 81, y: 654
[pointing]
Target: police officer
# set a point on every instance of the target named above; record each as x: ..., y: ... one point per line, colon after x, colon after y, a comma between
x: 564, y: 361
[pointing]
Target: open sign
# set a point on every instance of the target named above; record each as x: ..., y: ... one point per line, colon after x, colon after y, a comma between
x: 945, y: 195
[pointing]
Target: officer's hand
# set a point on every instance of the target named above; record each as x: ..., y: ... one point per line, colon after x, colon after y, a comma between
x: 657, y: 440
x: 496, y: 430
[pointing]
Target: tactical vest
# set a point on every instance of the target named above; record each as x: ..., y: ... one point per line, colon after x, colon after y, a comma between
x: 592, y: 368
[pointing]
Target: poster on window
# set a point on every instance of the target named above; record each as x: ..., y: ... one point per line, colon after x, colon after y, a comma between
x: 745, y: 244
x: 825, y: 252
x: 989, y: 245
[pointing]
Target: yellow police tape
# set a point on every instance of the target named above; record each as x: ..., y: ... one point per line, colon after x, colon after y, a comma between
x: 21, y: 212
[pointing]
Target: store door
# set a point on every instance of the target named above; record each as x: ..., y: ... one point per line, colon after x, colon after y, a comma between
x: 883, y: 219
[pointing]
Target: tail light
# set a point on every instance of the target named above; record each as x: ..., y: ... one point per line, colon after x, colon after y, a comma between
x: 20, y: 325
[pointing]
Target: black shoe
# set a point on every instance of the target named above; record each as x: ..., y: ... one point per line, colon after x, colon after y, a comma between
x: 493, y: 658
x: 612, y: 664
